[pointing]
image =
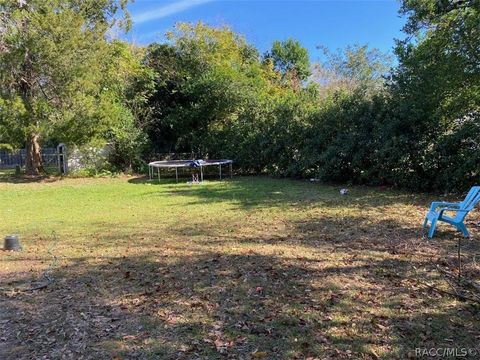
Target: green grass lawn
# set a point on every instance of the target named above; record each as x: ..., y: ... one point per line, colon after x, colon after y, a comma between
x: 248, y: 268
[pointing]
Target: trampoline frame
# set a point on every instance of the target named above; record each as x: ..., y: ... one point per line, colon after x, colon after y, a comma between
x: 169, y: 164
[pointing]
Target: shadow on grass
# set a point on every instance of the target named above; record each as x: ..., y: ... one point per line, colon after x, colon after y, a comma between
x: 216, y: 306
x: 324, y: 287
x: 341, y: 299
x: 353, y: 233
x: 259, y: 191
x: 8, y: 176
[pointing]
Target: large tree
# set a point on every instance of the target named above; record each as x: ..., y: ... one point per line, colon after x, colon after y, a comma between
x: 355, y: 67
x: 206, y: 79
x: 437, y: 91
x: 439, y: 63
x: 290, y: 58
x: 54, y: 55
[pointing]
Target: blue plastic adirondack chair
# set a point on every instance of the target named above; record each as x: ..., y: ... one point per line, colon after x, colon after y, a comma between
x: 437, y: 209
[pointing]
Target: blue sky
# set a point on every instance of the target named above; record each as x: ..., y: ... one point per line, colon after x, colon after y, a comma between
x: 331, y: 23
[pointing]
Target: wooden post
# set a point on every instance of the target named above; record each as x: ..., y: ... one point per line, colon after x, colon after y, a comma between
x: 220, y: 171
x: 176, y: 173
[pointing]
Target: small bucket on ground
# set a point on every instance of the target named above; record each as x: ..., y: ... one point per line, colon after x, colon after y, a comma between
x: 11, y: 243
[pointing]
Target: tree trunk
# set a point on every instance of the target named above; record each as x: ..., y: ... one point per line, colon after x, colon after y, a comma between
x: 33, y: 164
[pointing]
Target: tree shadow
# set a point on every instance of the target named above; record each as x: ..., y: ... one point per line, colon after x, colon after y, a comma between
x: 352, y: 232
x: 9, y: 177
x: 263, y: 192
x: 341, y: 298
x: 334, y: 284
x: 209, y: 306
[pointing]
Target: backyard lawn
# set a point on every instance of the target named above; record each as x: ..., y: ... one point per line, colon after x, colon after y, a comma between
x: 249, y: 268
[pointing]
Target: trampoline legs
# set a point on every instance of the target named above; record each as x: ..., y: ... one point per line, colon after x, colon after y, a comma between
x: 185, y: 163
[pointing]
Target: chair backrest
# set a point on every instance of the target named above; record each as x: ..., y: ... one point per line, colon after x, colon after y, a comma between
x: 472, y: 199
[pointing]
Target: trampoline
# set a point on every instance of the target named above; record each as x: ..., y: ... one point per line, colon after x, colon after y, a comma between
x: 193, y: 164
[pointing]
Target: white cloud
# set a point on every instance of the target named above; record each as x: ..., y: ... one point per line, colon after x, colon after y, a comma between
x: 167, y: 10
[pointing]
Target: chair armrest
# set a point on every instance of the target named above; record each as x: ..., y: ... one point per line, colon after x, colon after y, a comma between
x: 437, y: 204
x: 443, y: 209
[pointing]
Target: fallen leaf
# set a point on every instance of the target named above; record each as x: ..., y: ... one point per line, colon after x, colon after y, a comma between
x: 259, y: 354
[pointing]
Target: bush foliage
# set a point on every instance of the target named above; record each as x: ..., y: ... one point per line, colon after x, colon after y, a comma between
x: 355, y: 120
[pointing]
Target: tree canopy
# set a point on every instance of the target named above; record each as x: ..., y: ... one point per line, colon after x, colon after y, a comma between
x: 290, y: 58
x: 359, y: 116
x: 55, y: 70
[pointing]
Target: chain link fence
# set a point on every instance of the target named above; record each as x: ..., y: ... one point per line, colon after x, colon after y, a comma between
x: 11, y: 159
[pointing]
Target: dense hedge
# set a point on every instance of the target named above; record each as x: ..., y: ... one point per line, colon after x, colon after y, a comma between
x: 217, y: 97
